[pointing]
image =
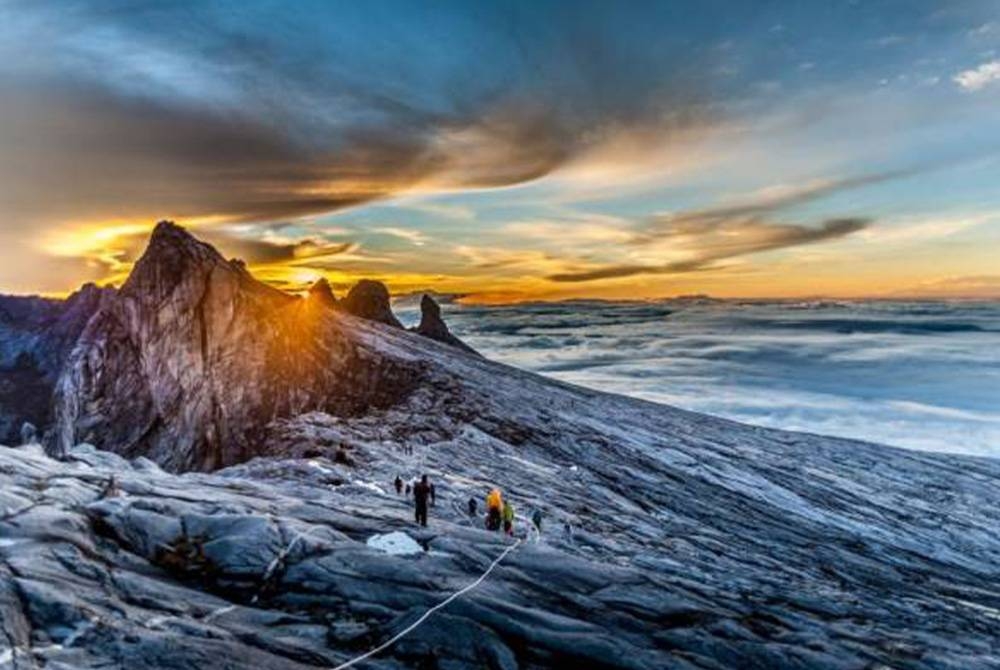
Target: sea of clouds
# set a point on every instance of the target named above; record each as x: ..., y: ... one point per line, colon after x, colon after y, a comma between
x: 922, y: 375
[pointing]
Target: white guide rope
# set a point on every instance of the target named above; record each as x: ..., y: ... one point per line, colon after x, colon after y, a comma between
x: 385, y: 645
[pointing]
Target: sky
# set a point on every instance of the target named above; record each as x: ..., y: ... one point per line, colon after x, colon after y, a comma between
x: 510, y: 151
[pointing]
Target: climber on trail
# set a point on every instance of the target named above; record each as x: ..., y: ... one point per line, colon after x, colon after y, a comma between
x: 508, y: 518
x: 421, y: 491
x: 472, y: 506
x: 398, y: 484
x: 494, y: 508
x: 536, y: 518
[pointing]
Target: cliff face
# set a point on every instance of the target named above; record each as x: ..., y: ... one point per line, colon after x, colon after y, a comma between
x: 194, y: 356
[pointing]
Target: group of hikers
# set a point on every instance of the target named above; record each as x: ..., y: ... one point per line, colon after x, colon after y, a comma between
x: 499, y: 511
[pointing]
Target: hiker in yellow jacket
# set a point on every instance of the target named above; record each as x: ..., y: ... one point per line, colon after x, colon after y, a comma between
x: 494, y: 510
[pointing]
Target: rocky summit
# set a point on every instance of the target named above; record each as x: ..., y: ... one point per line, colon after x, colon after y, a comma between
x: 218, y: 492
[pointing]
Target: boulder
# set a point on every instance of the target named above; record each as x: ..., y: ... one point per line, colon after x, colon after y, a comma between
x: 369, y: 299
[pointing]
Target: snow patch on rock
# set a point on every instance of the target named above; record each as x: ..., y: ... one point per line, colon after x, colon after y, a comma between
x: 396, y: 544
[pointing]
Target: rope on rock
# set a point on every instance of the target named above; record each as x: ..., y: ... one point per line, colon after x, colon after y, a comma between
x: 426, y: 615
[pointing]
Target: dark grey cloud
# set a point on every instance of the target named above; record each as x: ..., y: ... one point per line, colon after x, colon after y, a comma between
x: 714, y: 241
x: 716, y: 234
x: 765, y: 205
x: 262, y: 112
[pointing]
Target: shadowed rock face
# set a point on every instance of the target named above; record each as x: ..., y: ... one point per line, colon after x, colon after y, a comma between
x: 433, y: 326
x: 194, y: 356
x: 369, y: 299
x: 36, y: 337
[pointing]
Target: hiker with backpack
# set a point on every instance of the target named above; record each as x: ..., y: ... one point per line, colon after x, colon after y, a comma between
x: 421, y: 492
x: 494, y: 510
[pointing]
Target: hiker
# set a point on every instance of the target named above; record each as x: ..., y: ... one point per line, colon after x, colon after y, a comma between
x: 407, y: 489
x: 508, y: 518
x: 494, y: 506
x: 536, y: 518
x: 398, y: 484
x: 421, y: 490
x: 433, y: 496
x: 472, y: 506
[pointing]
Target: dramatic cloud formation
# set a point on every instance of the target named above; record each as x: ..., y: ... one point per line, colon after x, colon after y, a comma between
x: 243, y: 122
x: 515, y: 149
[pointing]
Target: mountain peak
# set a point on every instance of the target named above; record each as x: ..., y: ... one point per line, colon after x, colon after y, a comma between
x: 172, y: 257
x: 322, y: 292
x: 167, y: 231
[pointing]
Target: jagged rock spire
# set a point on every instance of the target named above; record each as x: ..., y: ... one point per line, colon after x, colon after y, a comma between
x: 434, y: 327
x: 322, y: 293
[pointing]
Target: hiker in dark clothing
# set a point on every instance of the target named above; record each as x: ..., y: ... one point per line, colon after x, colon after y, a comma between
x: 421, y: 491
x: 536, y: 519
x: 472, y: 506
x: 407, y: 489
x: 433, y: 496
x: 398, y: 484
